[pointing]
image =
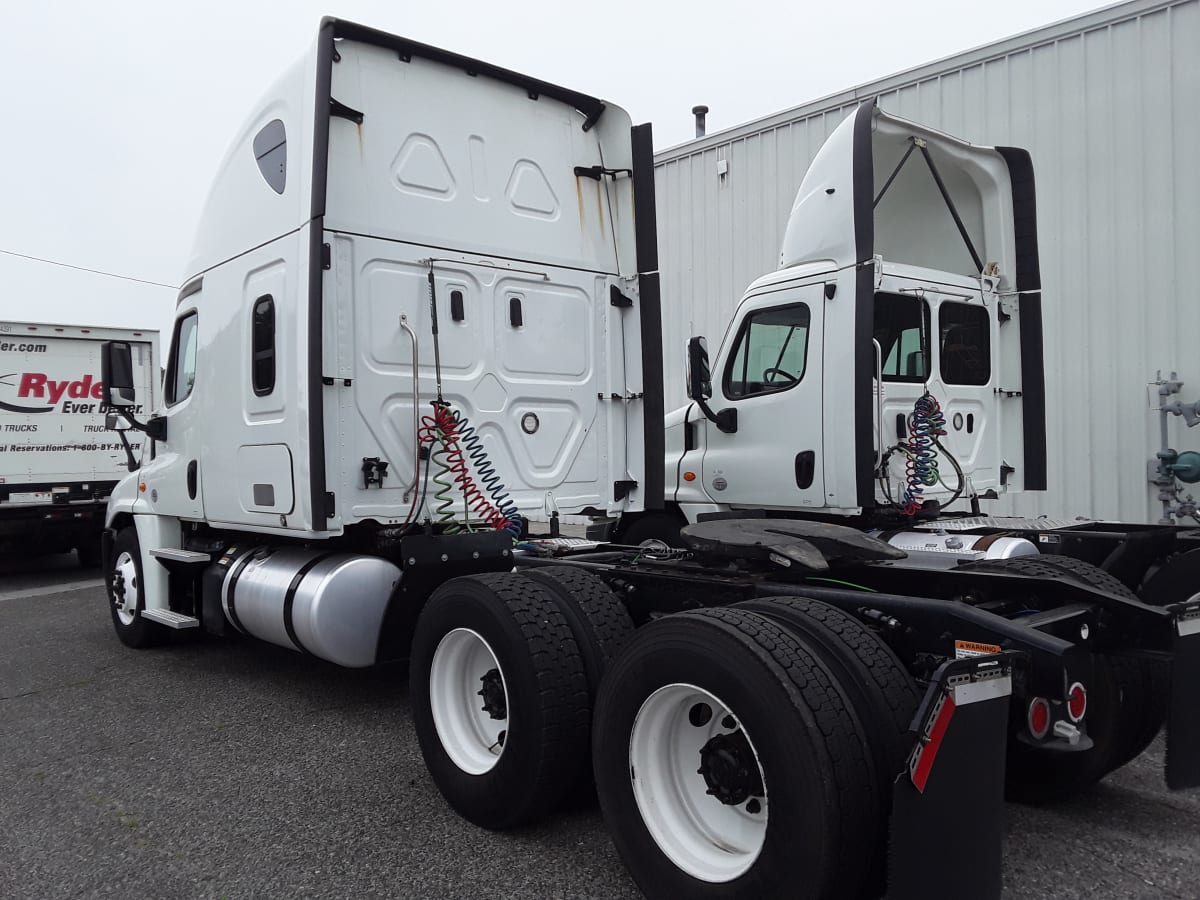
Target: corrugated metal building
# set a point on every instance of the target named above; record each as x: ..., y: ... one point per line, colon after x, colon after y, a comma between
x: 1109, y: 106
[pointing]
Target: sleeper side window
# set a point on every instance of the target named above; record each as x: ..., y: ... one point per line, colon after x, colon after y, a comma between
x: 902, y: 330
x: 262, y: 346
x: 965, y: 343
x: 770, y: 353
x: 270, y: 152
x: 181, y: 368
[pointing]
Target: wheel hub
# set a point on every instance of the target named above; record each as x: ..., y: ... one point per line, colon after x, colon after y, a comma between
x: 729, y: 769
x: 492, y: 692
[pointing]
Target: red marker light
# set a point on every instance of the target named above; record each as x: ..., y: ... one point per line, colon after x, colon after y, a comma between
x: 1076, y: 702
x: 1038, y: 717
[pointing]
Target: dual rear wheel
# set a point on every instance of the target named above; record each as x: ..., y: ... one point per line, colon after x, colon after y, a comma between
x: 729, y: 750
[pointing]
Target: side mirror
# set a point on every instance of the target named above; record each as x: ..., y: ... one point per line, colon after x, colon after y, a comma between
x: 116, y: 422
x: 116, y: 372
x: 699, y: 379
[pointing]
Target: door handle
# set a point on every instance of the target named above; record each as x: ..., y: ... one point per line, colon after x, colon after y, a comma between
x: 192, y: 472
x: 806, y: 468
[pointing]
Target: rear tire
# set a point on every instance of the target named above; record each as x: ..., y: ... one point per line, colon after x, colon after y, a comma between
x: 126, y: 597
x: 598, y: 619
x: 786, y: 802
x: 1127, y: 702
x: 883, y: 693
x: 601, y: 626
x: 499, y: 698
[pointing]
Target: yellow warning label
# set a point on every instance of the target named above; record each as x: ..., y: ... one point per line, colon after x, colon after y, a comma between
x: 967, y: 649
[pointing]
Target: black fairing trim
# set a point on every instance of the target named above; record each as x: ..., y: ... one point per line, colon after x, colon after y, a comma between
x: 864, y: 306
x: 646, y: 241
x: 316, y: 391
x: 1029, y: 284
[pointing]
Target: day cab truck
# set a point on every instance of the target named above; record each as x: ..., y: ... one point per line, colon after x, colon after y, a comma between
x: 58, y: 463
x: 424, y: 309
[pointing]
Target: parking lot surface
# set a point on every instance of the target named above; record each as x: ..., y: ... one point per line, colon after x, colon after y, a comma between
x: 236, y: 769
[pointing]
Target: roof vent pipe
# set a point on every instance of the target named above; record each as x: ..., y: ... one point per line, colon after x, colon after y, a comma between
x: 699, y: 112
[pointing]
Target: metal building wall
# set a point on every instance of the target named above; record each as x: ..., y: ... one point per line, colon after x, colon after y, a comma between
x: 1109, y: 106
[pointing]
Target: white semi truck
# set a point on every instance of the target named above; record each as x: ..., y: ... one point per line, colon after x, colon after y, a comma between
x: 58, y: 462
x: 424, y: 307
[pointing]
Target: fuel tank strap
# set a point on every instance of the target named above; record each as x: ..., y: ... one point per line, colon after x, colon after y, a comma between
x: 231, y: 586
x: 289, y: 601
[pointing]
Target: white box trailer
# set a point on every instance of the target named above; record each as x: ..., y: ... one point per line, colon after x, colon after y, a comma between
x: 58, y: 464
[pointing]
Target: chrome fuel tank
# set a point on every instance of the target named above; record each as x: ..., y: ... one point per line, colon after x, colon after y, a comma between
x: 330, y: 605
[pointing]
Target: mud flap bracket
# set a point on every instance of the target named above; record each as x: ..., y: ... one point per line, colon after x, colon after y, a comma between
x: 947, y: 828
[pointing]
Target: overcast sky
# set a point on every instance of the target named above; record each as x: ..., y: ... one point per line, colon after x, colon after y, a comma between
x: 117, y: 113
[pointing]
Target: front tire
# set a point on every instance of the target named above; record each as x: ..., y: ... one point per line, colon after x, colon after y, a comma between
x: 499, y: 699
x: 729, y: 764
x: 653, y: 529
x: 126, y: 596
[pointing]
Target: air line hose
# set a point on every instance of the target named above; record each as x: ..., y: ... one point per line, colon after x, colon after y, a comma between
x: 926, y: 424
x: 454, y: 448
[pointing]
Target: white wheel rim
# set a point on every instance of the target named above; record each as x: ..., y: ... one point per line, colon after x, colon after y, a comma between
x: 125, y: 588
x: 706, y: 838
x: 472, y: 735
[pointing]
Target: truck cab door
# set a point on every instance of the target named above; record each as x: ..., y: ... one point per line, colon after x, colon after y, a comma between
x: 172, y: 476
x: 770, y: 373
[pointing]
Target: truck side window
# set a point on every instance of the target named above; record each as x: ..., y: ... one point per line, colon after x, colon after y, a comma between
x: 270, y: 152
x: 262, y: 346
x: 181, y: 368
x: 965, y: 344
x: 902, y: 329
x: 770, y: 352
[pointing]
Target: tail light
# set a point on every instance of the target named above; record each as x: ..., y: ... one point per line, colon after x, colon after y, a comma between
x: 1038, y: 717
x: 1077, y: 702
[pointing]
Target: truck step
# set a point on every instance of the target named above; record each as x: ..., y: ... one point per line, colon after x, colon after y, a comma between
x: 181, y: 556
x: 170, y: 619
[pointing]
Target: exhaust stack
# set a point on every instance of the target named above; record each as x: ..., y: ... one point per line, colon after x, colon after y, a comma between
x: 699, y: 112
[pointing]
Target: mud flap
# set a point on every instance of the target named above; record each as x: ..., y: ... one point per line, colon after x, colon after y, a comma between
x: 947, y: 828
x: 1183, y: 718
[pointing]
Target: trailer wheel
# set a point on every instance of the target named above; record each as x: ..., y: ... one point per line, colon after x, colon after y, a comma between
x: 1126, y: 703
x: 126, y: 599
x: 730, y: 764
x: 499, y: 698
x: 653, y: 528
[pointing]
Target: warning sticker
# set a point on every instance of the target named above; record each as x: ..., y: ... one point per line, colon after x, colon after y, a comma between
x: 968, y: 649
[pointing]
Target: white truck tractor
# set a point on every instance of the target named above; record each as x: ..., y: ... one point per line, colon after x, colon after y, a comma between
x: 423, y: 309
x: 892, y: 368
x: 58, y: 462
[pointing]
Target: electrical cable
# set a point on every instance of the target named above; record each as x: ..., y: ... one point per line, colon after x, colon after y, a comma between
x: 55, y: 262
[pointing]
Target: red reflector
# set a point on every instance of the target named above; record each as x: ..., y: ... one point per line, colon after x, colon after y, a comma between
x: 1076, y: 702
x: 1039, y: 717
x: 920, y: 775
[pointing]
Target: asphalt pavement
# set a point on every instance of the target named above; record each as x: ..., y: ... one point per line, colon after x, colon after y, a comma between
x: 234, y: 769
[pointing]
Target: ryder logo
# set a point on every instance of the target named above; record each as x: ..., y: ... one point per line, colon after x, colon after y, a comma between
x: 36, y: 386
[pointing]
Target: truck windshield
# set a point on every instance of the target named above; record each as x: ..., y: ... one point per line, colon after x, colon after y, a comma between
x: 902, y: 329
